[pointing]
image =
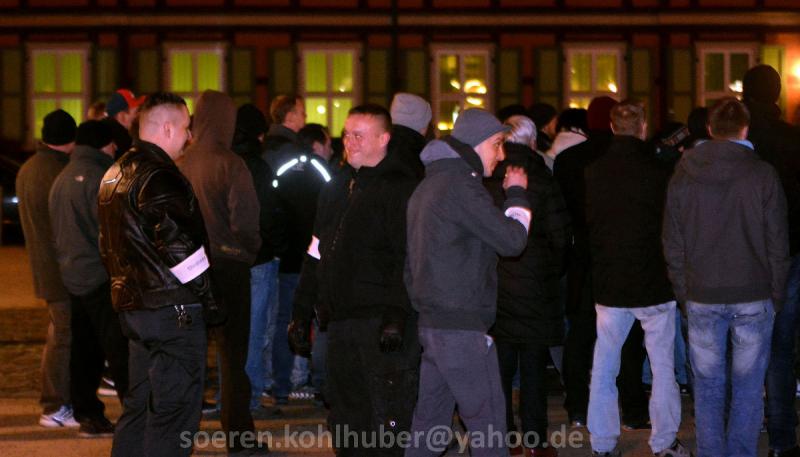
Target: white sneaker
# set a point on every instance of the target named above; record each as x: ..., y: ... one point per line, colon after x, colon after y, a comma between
x: 61, y: 418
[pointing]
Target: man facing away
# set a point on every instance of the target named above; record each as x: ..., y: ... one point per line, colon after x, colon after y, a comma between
x: 122, y: 108
x: 353, y: 277
x: 228, y: 201
x: 727, y: 247
x: 152, y: 240
x: 96, y: 333
x: 455, y: 233
x: 34, y: 181
x: 625, y: 191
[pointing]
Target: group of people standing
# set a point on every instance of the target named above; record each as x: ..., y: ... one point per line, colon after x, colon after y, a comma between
x: 420, y: 275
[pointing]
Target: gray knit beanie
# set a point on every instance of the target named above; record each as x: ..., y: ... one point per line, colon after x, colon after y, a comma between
x: 473, y: 126
x: 410, y: 111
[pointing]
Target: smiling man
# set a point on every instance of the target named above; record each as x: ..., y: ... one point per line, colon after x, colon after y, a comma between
x: 353, y: 276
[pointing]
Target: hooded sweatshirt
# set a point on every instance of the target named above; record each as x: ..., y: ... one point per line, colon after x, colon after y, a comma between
x: 455, y: 233
x: 221, y: 181
x: 725, y: 229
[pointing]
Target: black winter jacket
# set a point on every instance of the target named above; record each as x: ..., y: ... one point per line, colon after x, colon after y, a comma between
x: 150, y: 222
x: 529, y: 308
x: 625, y: 194
x: 725, y: 230
x: 406, y: 145
x: 779, y: 144
x: 357, y: 270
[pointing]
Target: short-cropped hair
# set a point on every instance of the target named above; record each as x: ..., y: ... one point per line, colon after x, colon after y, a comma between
x: 523, y: 131
x: 727, y: 117
x: 159, y: 99
x: 312, y: 133
x: 628, y: 117
x: 281, y: 106
x: 375, y: 110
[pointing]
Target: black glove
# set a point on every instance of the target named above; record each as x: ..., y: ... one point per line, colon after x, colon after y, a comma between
x: 300, y: 337
x: 391, y: 338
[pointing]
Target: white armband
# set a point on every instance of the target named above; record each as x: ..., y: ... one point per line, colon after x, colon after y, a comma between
x: 313, y: 248
x: 521, y: 215
x: 192, y: 267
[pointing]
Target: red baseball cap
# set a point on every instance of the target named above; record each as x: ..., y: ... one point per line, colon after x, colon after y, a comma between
x: 121, y: 100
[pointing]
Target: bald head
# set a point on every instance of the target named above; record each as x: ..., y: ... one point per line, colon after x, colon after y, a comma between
x: 164, y: 121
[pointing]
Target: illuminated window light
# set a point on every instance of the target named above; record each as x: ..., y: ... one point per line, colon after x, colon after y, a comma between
x: 474, y: 86
x: 612, y: 87
x: 321, y: 109
x: 474, y: 101
x: 455, y: 84
x: 736, y: 86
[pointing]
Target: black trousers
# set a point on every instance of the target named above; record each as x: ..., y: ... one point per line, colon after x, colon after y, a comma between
x: 232, y: 287
x: 96, y: 337
x: 163, y: 405
x: 368, y: 389
x: 531, y: 358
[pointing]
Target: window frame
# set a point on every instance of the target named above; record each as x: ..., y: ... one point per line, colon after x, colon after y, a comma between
x: 31, y: 50
x: 725, y: 48
x: 169, y: 47
x: 438, y: 49
x: 618, y: 48
x: 329, y: 48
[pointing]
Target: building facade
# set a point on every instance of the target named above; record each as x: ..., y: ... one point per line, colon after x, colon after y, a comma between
x: 672, y: 54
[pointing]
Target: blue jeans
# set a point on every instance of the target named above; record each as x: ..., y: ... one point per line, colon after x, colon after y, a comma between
x: 681, y: 357
x: 781, y: 384
x: 750, y: 327
x: 264, y: 299
x: 613, y: 326
x: 282, y: 357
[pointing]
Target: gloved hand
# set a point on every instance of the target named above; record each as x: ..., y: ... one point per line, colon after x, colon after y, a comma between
x: 391, y: 336
x: 300, y: 337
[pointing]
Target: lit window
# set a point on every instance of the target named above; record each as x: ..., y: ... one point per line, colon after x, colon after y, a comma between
x: 329, y: 84
x: 593, y: 71
x: 721, y: 70
x: 192, y: 69
x: 461, y: 81
x: 59, y: 79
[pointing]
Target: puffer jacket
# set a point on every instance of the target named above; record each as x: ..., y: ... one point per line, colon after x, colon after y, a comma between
x: 150, y: 222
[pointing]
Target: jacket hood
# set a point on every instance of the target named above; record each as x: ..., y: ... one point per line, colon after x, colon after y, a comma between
x: 214, y: 119
x: 437, y: 150
x: 565, y: 139
x: 84, y: 151
x: 718, y: 161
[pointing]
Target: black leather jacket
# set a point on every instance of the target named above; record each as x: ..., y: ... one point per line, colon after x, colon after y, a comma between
x: 149, y: 223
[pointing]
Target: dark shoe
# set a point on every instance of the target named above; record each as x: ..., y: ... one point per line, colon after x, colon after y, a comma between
x: 633, y: 426
x: 96, y: 428
x: 281, y: 401
x: 791, y: 452
x: 676, y: 450
x: 266, y: 413
x: 210, y: 411
x: 614, y: 453
x: 548, y: 451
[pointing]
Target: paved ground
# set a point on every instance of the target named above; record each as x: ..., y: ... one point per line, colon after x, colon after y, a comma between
x: 22, y: 328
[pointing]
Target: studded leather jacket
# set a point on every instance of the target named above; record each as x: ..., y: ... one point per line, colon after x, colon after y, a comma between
x: 152, y: 235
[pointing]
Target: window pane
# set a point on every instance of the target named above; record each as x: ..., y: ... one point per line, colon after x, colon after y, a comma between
x: 343, y: 71
x: 340, y: 108
x: 44, y: 73
x: 181, y: 72
x: 739, y: 65
x: 449, y: 82
x: 74, y: 106
x: 71, y: 73
x: 606, y: 73
x: 317, y: 111
x: 448, y: 112
x: 41, y: 108
x: 316, y: 72
x: 209, y: 74
x: 189, y: 103
x: 475, y: 74
x: 579, y: 102
x: 714, y: 74
x: 580, y: 72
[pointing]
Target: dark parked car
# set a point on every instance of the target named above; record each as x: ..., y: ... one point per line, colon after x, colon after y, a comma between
x: 10, y: 161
